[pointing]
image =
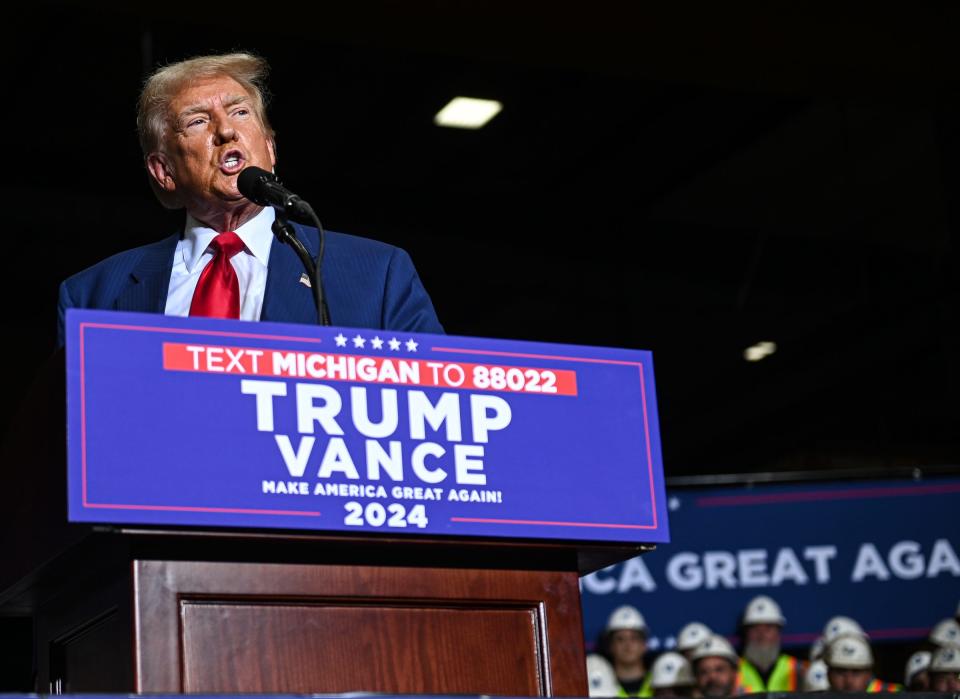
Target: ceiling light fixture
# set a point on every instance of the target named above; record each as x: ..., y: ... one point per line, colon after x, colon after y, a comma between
x: 759, y: 351
x: 467, y: 113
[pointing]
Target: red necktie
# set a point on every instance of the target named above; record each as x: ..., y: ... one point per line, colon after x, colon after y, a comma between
x: 218, y: 291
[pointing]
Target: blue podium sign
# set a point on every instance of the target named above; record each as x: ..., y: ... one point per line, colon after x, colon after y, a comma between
x: 202, y: 422
x: 886, y: 553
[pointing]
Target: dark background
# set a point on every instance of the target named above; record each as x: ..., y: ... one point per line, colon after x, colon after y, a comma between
x: 688, y: 178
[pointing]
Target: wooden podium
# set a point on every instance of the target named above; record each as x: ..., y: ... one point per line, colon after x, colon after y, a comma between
x: 126, y: 609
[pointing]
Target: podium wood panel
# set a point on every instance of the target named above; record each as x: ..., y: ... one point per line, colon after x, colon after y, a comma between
x: 248, y: 627
x: 413, y: 650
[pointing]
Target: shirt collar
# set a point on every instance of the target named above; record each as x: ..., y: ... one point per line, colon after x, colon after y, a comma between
x: 256, y: 234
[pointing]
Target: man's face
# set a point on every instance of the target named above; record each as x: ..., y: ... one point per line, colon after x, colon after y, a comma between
x: 763, y: 634
x: 945, y: 682
x: 627, y: 646
x: 214, y: 135
x: 920, y: 682
x: 762, y: 644
x: 716, y: 677
x: 844, y: 680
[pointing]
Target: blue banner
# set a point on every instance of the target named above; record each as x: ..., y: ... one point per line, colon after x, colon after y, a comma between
x: 882, y: 552
x: 193, y: 421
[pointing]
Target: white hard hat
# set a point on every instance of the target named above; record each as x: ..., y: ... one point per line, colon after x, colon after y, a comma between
x: 816, y: 648
x: 816, y: 678
x: 601, y: 678
x: 842, y: 626
x: 946, y: 659
x: 692, y: 635
x: 917, y: 663
x: 946, y: 633
x: 849, y: 653
x: 715, y: 647
x: 626, y: 617
x: 763, y: 610
x: 671, y: 670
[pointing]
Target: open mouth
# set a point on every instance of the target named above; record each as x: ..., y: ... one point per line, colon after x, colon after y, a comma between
x: 232, y: 162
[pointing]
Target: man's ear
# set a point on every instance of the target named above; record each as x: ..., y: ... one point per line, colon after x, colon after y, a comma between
x: 159, y: 168
x: 272, y: 147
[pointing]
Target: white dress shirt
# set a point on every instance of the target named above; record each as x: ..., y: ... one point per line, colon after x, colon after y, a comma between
x: 193, y: 254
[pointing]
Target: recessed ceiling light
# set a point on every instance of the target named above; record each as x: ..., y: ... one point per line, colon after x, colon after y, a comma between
x: 467, y: 113
x: 759, y: 351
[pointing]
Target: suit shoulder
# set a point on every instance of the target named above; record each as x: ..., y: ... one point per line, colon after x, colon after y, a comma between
x: 355, y: 255
x: 359, y: 245
x: 99, y: 284
x: 372, y: 284
x: 121, y: 262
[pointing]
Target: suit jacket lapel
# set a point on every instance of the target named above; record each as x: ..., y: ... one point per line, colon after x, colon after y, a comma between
x: 149, y: 280
x: 286, y: 299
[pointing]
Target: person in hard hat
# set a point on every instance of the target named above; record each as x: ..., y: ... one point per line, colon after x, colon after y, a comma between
x: 672, y: 676
x: 842, y: 626
x: 945, y: 670
x: 715, y: 668
x: 946, y: 633
x: 835, y: 628
x: 763, y: 667
x: 624, y: 643
x: 691, y: 636
x: 815, y: 678
x: 849, y: 662
x: 916, y: 675
x: 601, y: 679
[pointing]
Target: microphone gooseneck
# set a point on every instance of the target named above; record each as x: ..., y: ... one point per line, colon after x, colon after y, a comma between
x: 263, y: 188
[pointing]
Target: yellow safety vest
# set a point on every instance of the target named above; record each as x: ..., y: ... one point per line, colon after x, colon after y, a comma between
x: 881, y: 686
x: 785, y: 676
x: 645, y: 689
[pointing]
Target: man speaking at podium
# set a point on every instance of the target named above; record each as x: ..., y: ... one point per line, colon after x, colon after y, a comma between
x: 201, y: 122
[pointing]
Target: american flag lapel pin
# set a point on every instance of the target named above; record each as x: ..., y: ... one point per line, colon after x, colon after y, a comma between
x: 305, y: 280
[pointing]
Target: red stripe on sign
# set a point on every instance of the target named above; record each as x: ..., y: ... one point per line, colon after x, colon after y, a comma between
x: 407, y: 371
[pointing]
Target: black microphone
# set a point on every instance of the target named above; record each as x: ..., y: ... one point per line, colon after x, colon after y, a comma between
x: 263, y: 188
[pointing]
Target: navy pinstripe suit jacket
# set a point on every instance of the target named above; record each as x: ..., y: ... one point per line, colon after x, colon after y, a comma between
x: 368, y: 284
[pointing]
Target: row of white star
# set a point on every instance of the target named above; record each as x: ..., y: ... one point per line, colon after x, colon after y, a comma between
x: 376, y: 342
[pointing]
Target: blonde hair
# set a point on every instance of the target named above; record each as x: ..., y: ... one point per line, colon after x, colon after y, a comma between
x: 164, y: 84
